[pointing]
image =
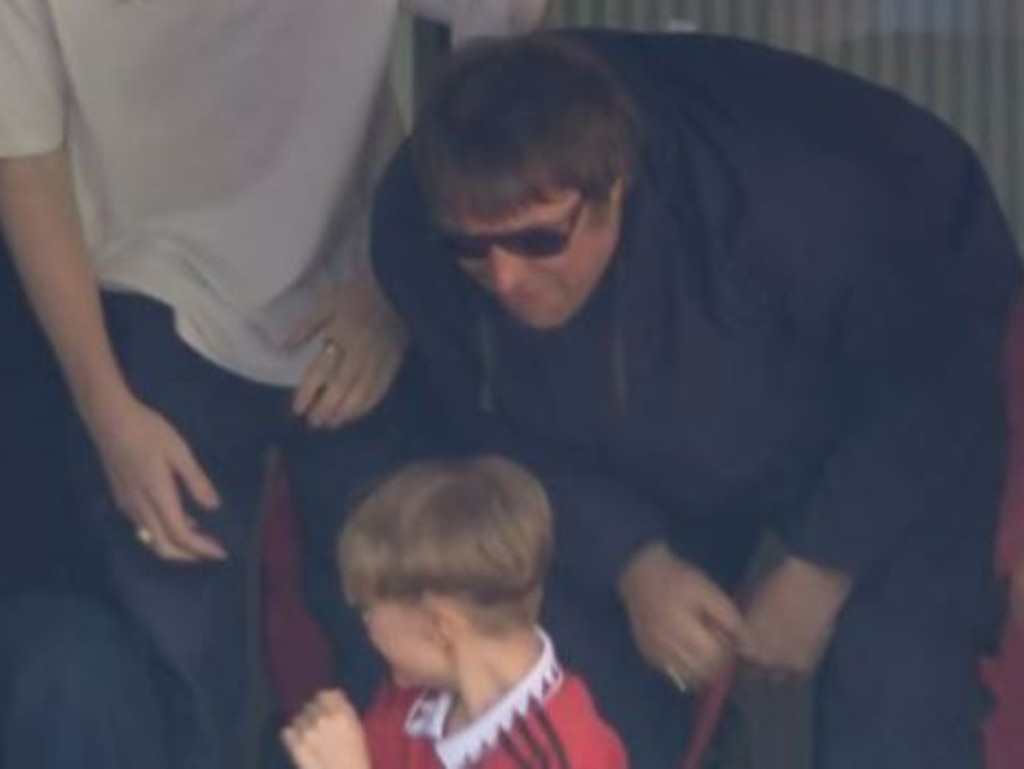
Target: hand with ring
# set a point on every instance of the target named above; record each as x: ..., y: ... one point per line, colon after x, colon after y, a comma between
x: 362, y: 347
x: 683, y: 624
x: 155, y: 479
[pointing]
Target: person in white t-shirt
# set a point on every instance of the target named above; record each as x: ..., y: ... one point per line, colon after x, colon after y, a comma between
x: 184, y: 188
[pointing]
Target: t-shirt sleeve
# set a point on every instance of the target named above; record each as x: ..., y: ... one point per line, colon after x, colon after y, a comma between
x: 32, y: 81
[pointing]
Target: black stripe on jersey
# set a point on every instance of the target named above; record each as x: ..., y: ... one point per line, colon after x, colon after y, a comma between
x: 552, y: 735
x: 509, y: 747
x: 535, y: 748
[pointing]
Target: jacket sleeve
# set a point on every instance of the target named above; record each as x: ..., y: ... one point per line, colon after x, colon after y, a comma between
x: 600, y: 524
x: 909, y: 318
x: 1011, y: 534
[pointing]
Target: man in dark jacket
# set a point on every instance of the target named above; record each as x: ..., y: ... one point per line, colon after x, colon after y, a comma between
x: 702, y: 288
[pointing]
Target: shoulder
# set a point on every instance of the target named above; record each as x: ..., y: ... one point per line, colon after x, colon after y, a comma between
x: 572, y: 724
x: 564, y: 731
x: 385, y: 727
x: 722, y: 68
x: 748, y: 126
x: 386, y: 718
x: 752, y: 100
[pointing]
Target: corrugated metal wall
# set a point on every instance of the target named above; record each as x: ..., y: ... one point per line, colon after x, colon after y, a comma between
x: 960, y: 58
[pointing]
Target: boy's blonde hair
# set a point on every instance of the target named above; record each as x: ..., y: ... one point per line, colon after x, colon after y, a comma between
x: 478, y: 530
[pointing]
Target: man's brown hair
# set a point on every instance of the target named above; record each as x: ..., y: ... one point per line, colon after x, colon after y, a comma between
x: 510, y: 121
x: 478, y: 530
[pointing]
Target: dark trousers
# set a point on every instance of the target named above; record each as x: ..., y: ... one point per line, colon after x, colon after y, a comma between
x: 900, y: 686
x: 196, y: 616
x: 78, y: 688
x: 899, y: 695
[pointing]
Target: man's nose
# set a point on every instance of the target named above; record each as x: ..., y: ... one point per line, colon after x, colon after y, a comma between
x: 506, y: 271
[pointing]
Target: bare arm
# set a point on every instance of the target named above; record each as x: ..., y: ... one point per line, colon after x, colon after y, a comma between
x: 143, y: 455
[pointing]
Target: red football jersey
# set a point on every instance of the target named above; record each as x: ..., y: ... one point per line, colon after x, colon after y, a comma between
x: 549, y: 721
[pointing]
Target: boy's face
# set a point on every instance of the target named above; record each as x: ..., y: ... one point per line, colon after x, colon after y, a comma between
x: 408, y: 639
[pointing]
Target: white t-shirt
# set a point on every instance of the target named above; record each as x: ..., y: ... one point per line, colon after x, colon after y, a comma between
x: 222, y: 150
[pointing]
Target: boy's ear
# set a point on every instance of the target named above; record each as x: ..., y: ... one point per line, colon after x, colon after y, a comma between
x: 447, y: 617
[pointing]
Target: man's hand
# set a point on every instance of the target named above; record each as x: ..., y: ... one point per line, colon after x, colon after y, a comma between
x: 792, y: 615
x: 148, y: 466
x: 327, y: 735
x: 683, y: 624
x: 363, y: 342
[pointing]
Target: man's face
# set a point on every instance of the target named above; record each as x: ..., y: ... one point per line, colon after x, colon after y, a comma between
x: 543, y: 262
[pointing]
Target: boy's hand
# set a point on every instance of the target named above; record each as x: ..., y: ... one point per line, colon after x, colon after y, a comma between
x: 327, y: 735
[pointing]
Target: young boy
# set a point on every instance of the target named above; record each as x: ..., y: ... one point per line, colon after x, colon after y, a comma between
x: 447, y: 561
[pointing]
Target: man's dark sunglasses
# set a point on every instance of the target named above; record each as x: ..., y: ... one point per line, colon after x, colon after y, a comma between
x: 529, y: 242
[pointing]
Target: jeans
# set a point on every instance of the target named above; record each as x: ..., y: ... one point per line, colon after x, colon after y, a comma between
x: 78, y: 689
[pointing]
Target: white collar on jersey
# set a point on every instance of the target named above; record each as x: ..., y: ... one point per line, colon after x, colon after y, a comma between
x: 429, y: 714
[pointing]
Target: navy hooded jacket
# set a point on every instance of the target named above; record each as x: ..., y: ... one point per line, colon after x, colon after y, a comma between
x: 801, y: 326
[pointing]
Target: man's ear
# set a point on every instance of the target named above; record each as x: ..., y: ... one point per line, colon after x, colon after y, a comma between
x: 613, y: 201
